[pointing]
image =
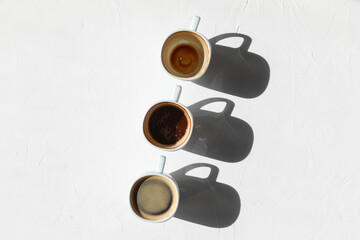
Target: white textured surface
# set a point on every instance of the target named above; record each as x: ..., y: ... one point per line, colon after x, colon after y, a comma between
x: 76, y: 78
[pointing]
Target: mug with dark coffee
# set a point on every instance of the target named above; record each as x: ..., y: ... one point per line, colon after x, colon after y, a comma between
x: 168, y: 124
x: 186, y: 53
x: 154, y: 196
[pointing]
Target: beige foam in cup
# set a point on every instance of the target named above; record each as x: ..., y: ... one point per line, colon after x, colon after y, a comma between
x: 154, y: 196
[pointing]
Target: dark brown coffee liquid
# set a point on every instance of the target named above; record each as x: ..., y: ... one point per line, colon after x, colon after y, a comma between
x: 168, y: 125
x: 184, y: 59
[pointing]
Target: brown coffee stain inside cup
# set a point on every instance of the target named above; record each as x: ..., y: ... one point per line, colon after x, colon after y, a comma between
x: 168, y: 124
x: 184, y: 59
x: 185, y: 54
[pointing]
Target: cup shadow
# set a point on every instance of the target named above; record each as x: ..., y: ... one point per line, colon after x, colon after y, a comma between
x: 204, y: 200
x: 235, y: 71
x: 219, y: 135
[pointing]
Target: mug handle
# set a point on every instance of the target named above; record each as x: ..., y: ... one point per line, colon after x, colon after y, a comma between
x: 194, y: 23
x: 161, y: 164
x: 176, y: 93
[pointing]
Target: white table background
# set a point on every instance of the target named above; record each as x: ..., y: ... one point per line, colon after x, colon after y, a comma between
x: 76, y: 78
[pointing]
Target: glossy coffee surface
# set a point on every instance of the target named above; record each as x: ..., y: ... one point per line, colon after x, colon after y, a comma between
x: 168, y: 124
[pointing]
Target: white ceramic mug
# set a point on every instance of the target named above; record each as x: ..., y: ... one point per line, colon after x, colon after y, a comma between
x: 186, y: 53
x: 149, y: 195
x: 168, y: 124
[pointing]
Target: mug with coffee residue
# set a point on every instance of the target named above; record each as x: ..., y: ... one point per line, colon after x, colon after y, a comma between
x: 186, y: 53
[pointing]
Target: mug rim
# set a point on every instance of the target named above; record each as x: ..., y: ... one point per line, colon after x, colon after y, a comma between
x: 190, y: 131
x: 173, y: 182
x: 209, y: 48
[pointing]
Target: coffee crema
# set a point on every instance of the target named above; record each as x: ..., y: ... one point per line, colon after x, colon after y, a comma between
x: 184, y: 59
x: 168, y: 124
x: 154, y: 196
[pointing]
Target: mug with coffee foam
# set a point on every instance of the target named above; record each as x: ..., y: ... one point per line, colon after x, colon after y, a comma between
x: 186, y: 53
x: 168, y: 124
x: 154, y: 196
